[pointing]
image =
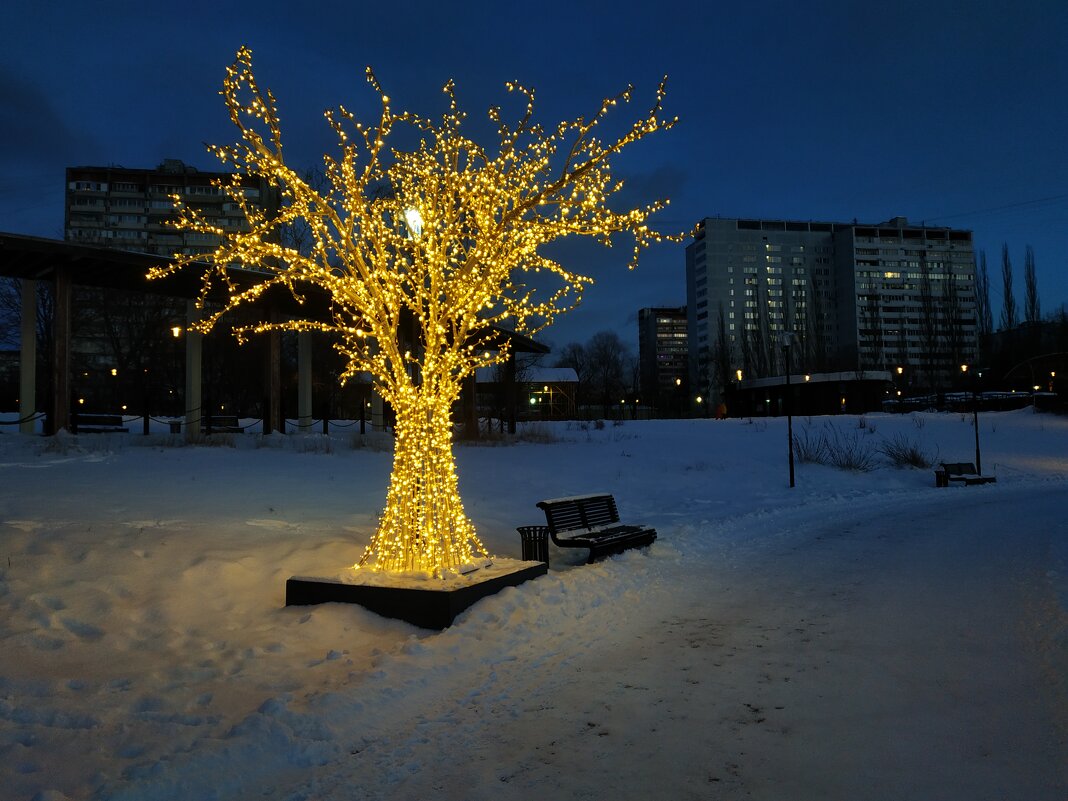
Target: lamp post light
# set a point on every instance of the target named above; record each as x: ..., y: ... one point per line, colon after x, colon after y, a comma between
x: 787, y: 343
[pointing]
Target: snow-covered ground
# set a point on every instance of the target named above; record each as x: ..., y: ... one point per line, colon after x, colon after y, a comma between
x: 862, y: 636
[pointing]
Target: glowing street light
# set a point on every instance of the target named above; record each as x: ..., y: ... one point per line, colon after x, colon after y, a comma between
x: 414, y: 221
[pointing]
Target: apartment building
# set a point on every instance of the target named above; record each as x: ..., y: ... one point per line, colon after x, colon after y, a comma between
x: 123, y: 354
x: 663, y: 358
x: 130, y: 209
x: 847, y: 296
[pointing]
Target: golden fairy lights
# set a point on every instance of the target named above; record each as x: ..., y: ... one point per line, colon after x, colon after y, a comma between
x: 435, y: 240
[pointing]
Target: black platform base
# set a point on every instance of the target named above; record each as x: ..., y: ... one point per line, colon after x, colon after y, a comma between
x: 429, y: 608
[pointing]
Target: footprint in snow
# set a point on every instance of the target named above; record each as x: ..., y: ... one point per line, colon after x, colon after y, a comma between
x: 85, y: 631
x: 279, y: 524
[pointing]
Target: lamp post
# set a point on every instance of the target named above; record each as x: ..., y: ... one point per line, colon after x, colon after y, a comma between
x: 787, y: 342
x: 975, y: 419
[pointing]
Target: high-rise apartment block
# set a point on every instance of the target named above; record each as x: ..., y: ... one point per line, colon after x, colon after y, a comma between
x: 854, y: 297
x: 663, y: 357
x: 122, y: 350
x: 129, y: 208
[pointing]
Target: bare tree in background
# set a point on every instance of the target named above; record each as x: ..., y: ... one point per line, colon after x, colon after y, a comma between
x: 816, y: 340
x: 10, y: 312
x: 607, y: 356
x: 574, y: 355
x: 928, y: 322
x: 954, y: 323
x: 872, y: 311
x: 1008, y: 313
x: 1032, y: 307
x: 723, y: 355
x: 984, y: 314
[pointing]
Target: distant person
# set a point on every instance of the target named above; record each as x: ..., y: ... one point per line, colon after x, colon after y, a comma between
x: 721, y: 411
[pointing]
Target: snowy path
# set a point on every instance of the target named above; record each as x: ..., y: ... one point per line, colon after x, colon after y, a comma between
x: 864, y: 636
x: 855, y: 656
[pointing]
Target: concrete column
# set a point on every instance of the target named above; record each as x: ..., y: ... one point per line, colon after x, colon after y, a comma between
x: 61, y: 323
x: 28, y: 356
x: 194, y: 348
x: 304, y: 381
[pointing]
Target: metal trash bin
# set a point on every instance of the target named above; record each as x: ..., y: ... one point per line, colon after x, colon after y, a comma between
x: 535, y: 543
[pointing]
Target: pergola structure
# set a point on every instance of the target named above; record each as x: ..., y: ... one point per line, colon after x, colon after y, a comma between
x: 65, y: 265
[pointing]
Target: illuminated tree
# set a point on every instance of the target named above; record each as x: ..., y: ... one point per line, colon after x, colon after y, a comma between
x: 440, y: 239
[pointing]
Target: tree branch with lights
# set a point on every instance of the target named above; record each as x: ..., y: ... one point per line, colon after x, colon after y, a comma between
x: 439, y: 239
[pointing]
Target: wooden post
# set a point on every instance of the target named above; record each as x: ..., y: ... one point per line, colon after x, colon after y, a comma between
x: 28, y: 357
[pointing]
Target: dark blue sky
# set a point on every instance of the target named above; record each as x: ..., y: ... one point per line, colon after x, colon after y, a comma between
x: 947, y: 112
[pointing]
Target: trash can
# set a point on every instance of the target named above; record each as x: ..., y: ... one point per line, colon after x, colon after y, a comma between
x: 535, y: 543
x: 941, y: 478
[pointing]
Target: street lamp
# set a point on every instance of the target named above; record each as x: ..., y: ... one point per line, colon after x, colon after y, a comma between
x: 975, y: 418
x: 787, y: 342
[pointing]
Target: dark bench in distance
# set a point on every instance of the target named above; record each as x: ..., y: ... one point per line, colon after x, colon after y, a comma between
x: 960, y: 473
x: 592, y: 521
x: 98, y: 424
x: 216, y: 424
x: 221, y: 424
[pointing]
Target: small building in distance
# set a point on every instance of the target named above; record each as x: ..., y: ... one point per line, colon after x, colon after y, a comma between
x: 542, y: 393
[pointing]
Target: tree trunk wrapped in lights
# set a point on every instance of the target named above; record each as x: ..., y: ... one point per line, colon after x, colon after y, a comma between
x: 437, y: 239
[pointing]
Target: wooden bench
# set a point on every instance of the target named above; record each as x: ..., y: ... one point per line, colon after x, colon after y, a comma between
x: 221, y: 424
x: 98, y: 424
x: 592, y: 521
x: 216, y: 424
x: 960, y: 473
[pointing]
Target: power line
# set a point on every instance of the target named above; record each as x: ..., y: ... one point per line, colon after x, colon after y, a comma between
x: 1005, y: 207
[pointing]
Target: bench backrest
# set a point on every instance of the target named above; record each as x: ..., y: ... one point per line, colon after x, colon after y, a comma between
x: 959, y: 468
x: 585, y: 512
x: 98, y: 419
x: 223, y: 420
